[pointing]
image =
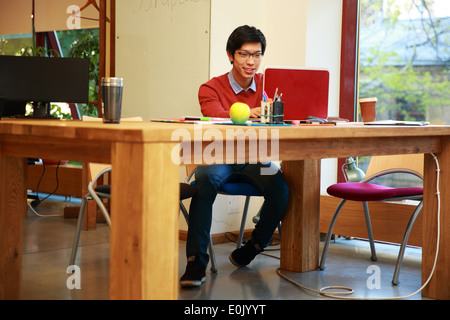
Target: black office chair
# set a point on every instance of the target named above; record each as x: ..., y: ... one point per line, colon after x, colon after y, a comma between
x: 230, y: 188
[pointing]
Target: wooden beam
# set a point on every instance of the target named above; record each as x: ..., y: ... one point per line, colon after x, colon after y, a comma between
x: 12, y: 210
x: 349, y: 59
x: 349, y: 70
x: 439, y: 285
x: 102, y: 52
x: 112, y: 38
x: 301, y: 217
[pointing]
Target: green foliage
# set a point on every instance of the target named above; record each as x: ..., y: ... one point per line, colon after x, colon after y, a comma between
x: 87, y: 46
x: 39, y: 52
x: 13, y: 45
x: 404, y: 93
x: 57, y: 111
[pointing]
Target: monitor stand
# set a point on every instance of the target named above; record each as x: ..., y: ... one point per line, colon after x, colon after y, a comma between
x: 39, y: 112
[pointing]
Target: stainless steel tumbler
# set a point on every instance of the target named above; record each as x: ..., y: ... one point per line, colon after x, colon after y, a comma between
x: 112, y: 89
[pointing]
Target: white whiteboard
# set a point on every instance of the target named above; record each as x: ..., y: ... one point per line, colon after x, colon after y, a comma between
x: 162, y: 52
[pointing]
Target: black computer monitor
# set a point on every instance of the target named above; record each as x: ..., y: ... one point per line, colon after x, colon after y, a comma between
x: 41, y: 80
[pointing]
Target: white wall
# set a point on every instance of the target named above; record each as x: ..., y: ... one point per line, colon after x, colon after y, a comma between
x: 323, y: 45
x: 162, y: 52
x: 283, y: 23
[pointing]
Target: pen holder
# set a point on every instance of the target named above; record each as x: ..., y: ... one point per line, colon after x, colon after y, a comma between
x: 266, y: 111
x: 278, y: 112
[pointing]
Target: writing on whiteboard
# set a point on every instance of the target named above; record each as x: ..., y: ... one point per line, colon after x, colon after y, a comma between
x: 147, y: 5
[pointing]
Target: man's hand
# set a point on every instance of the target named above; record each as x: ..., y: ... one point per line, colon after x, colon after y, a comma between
x: 255, y: 112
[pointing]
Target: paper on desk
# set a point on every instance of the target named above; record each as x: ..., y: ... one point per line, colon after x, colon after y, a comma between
x: 396, y: 123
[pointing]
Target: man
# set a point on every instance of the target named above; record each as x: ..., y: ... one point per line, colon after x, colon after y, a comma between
x: 245, y: 49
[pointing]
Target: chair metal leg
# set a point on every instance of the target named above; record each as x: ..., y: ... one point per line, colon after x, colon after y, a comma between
x: 101, y: 206
x: 401, y: 252
x: 329, y: 233
x: 76, y: 240
x: 212, y: 255
x: 369, y: 231
x: 184, y: 211
x: 243, y: 220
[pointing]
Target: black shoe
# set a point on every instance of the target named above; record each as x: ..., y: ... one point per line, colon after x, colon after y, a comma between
x: 195, y: 273
x: 244, y: 255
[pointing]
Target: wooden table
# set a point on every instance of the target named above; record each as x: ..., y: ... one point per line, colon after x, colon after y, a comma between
x: 144, y: 234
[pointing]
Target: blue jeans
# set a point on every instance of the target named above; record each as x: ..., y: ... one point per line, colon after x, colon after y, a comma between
x: 208, y: 179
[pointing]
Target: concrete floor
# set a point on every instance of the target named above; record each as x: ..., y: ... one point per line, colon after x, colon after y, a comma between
x: 47, y: 242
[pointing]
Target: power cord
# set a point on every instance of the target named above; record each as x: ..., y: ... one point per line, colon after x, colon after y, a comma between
x: 348, y: 291
x: 38, y: 201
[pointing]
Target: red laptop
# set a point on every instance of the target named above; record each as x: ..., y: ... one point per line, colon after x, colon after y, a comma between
x: 305, y: 91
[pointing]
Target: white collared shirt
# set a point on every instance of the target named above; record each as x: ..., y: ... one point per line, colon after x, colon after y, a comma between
x: 236, y: 87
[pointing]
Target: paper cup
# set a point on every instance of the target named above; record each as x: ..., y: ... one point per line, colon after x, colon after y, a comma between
x: 368, y: 110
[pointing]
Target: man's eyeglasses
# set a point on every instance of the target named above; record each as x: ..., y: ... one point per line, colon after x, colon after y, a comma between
x: 246, y: 55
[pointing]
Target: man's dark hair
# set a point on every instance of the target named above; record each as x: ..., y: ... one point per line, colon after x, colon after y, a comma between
x: 243, y: 35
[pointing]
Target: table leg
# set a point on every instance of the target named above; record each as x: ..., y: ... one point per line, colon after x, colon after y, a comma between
x: 12, y: 210
x: 300, y: 227
x: 144, y: 227
x: 439, y: 286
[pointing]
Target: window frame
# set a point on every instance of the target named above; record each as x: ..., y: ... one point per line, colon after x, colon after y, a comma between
x: 348, y: 90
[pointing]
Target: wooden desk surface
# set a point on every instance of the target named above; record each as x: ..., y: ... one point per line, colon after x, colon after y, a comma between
x: 142, y: 157
x: 160, y: 131
x: 317, y: 142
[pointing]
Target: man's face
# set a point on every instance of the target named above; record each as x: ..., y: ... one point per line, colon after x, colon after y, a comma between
x: 246, y: 62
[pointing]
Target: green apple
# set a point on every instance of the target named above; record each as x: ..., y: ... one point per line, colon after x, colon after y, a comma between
x: 239, y: 112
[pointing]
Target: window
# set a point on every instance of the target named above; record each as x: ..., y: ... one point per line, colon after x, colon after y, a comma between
x: 404, y: 59
x: 84, y: 43
x: 80, y: 43
x: 12, y: 44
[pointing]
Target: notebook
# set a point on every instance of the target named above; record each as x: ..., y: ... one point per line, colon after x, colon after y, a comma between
x: 305, y: 91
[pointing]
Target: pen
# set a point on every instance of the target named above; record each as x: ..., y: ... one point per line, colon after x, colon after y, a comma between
x: 198, y: 118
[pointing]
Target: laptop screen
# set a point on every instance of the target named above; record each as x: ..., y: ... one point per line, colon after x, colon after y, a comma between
x: 305, y: 91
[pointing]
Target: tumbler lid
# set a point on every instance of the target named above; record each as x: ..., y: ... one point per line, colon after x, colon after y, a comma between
x: 111, y: 81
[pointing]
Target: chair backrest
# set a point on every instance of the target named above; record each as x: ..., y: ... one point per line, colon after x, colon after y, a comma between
x: 405, y: 161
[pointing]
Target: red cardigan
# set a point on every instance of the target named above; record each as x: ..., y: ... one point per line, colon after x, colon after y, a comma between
x: 216, y: 96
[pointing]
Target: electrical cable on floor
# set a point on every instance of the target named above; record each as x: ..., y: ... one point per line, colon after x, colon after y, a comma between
x: 348, y: 291
x: 38, y: 201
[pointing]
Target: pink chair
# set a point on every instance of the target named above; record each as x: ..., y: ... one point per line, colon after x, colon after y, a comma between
x: 366, y: 191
